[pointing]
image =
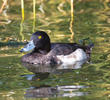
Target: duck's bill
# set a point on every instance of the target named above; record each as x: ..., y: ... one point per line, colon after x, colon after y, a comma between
x: 28, y: 47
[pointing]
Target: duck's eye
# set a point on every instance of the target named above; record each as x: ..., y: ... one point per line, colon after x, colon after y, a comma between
x: 39, y: 37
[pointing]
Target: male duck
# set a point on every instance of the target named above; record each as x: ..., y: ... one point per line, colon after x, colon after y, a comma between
x: 47, y: 53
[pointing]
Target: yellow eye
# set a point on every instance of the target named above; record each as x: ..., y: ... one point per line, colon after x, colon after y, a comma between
x: 39, y: 37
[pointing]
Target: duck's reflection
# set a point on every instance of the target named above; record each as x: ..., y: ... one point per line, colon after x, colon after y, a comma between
x: 42, y: 72
x: 58, y: 91
x: 39, y: 68
x: 52, y: 69
x: 37, y: 76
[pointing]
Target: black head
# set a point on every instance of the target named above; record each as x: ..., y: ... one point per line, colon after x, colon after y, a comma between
x: 39, y: 41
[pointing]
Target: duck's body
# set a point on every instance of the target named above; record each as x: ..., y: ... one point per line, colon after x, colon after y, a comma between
x: 45, y: 53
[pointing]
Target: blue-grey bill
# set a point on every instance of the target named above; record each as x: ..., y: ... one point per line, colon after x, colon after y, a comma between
x: 28, y: 47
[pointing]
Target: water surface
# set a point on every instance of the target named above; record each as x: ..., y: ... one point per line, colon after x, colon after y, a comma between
x: 91, y: 19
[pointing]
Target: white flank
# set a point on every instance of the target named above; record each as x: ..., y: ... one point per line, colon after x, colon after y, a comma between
x: 77, y: 58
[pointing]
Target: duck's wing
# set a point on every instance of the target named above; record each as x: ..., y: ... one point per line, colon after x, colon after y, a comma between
x: 64, y: 48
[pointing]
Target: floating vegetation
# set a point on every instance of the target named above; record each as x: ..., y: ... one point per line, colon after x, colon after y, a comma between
x: 22, y: 9
x: 72, y: 20
x: 3, y: 5
x: 34, y: 15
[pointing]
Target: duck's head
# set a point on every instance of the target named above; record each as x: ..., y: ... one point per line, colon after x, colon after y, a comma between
x: 39, y: 41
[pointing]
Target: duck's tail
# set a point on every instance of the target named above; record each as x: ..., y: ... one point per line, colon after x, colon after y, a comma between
x: 89, y: 45
x: 85, y: 41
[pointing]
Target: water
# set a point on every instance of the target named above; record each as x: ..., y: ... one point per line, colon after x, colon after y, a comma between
x: 91, y: 19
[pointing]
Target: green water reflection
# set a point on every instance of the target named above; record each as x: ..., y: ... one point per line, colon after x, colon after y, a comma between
x: 91, y: 19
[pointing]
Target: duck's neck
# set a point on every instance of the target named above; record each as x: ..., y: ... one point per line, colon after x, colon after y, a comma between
x: 47, y: 47
x: 43, y: 50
